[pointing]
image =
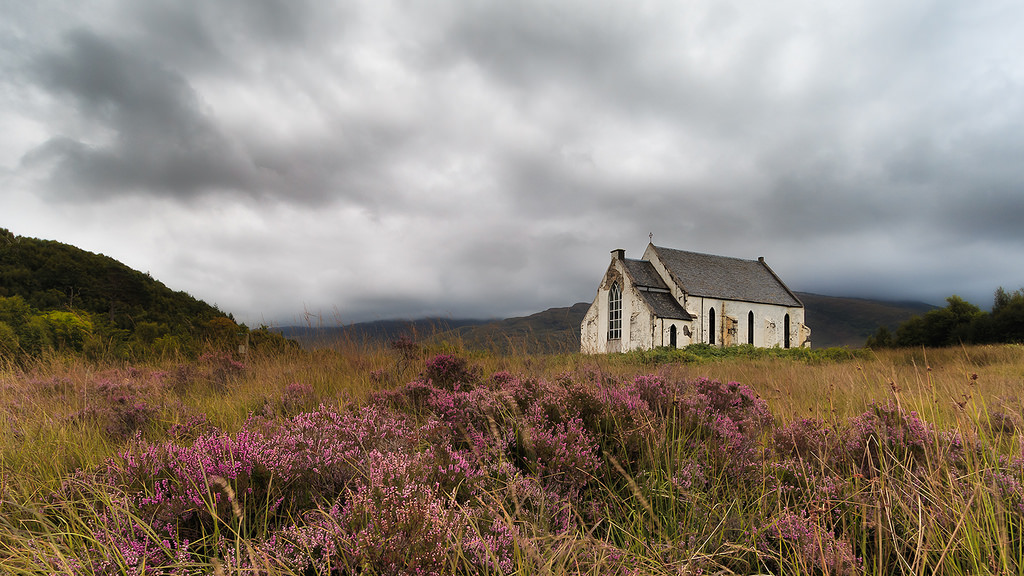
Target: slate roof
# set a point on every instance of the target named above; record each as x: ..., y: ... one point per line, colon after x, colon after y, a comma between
x: 644, y: 275
x: 665, y: 306
x: 725, y: 278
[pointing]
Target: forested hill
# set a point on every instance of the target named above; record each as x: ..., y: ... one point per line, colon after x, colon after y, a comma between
x: 54, y: 294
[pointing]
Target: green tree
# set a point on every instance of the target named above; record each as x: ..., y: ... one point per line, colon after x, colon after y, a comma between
x: 34, y: 335
x: 69, y: 330
x: 1008, y: 316
x: 14, y: 311
x: 950, y: 325
x: 9, y: 345
x: 882, y: 338
x: 911, y: 333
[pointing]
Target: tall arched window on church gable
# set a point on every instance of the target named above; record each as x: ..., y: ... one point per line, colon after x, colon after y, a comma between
x: 750, y: 327
x: 615, y: 312
x: 711, y: 326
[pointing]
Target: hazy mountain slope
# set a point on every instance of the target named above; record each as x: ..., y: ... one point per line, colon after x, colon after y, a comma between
x: 834, y: 321
x: 838, y: 321
x: 383, y: 331
x: 553, y: 330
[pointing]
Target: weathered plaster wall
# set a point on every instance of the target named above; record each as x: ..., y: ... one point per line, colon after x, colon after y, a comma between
x: 731, y: 323
x: 590, y: 341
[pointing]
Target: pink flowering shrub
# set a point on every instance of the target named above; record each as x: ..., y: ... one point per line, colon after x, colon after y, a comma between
x: 220, y: 367
x: 886, y: 431
x: 273, y: 467
x: 450, y: 372
x: 396, y: 523
x: 455, y: 472
x: 562, y: 454
x: 802, y: 546
x: 661, y: 397
x: 119, y: 401
x: 296, y: 397
x: 808, y: 439
x: 726, y: 421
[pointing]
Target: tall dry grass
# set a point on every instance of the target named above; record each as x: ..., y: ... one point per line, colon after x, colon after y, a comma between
x: 61, y: 415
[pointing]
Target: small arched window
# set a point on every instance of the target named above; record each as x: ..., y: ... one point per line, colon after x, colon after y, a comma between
x: 750, y: 327
x: 785, y: 332
x: 672, y: 336
x: 615, y: 312
x: 711, y: 326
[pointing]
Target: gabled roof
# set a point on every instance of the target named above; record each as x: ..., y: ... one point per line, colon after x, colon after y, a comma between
x: 645, y: 277
x: 643, y: 273
x: 665, y: 306
x: 725, y: 278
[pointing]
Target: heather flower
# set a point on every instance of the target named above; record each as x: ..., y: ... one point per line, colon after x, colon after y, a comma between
x: 1003, y: 423
x: 450, y: 372
x: 194, y: 426
x: 886, y: 431
x: 116, y: 403
x: 297, y: 396
x: 726, y: 420
x: 316, y: 543
x: 562, y: 454
x: 405, y: 346
x: 220, y: 367
x: 801, y: 545
x: 395, y: 522
x: 733, y: 401
x: 805, y: 438
x: 659, y: 396
x: 293, y: 463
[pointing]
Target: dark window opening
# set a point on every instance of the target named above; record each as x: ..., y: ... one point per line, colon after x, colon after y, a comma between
x: 785, y: 332
x: 711, y: 326
x: 750, y: 327
x: 672, y: 336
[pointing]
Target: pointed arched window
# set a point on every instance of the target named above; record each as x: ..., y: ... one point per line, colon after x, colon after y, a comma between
x: 615, y: 312
x: 711, y: 326
x: 785, y: 332
x: 750, y: 327
x: 672, y: 336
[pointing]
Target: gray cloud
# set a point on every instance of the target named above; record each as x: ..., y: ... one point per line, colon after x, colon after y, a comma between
x: 387, y: 159
x: 162, y: 141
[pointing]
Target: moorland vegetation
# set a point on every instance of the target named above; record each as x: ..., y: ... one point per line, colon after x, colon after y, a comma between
x: 427, y: 458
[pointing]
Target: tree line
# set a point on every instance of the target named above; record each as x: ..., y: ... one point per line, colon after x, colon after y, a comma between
x: 959, y: 322
x: 56, y: 297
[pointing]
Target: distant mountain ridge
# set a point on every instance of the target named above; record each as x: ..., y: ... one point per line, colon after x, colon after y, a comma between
x: 838, y: 321
x: 834, y: 321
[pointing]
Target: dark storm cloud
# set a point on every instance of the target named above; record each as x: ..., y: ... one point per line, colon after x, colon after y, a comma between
x: 161, y: 139
x: 142, y: 128
x: 230, y: 37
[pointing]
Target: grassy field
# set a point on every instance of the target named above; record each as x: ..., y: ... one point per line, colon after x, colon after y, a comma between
x: 437, y: 460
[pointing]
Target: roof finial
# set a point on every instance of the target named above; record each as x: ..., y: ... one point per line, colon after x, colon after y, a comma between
x: 651, y: 236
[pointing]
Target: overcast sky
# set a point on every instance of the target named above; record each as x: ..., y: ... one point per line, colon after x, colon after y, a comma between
x: 375, y: 159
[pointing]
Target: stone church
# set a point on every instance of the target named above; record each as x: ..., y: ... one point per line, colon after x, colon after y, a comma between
x: 676, y: 298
